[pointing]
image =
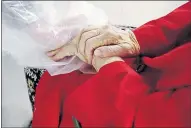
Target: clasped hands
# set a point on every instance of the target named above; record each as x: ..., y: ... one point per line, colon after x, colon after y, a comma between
x: 99, y: 46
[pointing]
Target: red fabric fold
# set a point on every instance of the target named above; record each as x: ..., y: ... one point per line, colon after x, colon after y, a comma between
x: 159, y: 36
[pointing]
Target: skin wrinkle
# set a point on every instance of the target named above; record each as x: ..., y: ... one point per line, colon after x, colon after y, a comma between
x: 81, y: 34
x: 89, y: 46
x: 96, y: 31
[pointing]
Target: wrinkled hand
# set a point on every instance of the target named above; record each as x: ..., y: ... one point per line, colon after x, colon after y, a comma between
x: 127, y: 47
x: 98, y: 38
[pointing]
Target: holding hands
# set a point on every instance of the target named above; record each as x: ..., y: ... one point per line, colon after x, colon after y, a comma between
x: 99, y: 46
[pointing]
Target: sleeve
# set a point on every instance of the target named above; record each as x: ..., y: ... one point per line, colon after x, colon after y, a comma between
x: 112, y: 92
x: 158, y: 36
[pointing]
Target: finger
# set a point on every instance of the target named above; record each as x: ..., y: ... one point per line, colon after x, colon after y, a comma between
x: 90, y: 28
x: 121, y: 50
x: 85, y: 36
x: 98, y: 41
x: 78, y: 37
x: 69, y: 50
x: 57, y: 49
x: 53, y: 52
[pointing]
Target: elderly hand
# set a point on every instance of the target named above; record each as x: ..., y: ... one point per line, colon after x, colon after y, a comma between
x: 127, y: 47
x: 93, y: 38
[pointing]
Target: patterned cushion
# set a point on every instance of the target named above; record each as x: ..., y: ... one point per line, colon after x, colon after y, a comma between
x: 33, y: 76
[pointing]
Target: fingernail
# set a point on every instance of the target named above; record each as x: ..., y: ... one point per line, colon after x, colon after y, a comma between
x: 97, y: 53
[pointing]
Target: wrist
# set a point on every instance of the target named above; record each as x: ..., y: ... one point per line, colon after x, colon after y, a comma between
x: 98, y: 62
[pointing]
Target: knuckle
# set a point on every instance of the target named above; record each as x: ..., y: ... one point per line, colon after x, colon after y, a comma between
x: 107, y: 41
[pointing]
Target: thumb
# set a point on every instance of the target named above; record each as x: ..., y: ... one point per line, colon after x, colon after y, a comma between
x: 121, y: 50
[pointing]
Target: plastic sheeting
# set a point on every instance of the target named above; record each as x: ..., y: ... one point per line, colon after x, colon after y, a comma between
x: 31, y: 28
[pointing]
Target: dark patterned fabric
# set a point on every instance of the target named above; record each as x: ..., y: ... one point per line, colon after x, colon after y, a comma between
x: 33, y: 76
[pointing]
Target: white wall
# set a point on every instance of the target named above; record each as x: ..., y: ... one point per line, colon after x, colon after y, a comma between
x: 136, y: 12
x: 15, y: 103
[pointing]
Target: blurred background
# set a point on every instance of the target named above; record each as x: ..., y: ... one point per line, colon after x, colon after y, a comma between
x: 16, y: 107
